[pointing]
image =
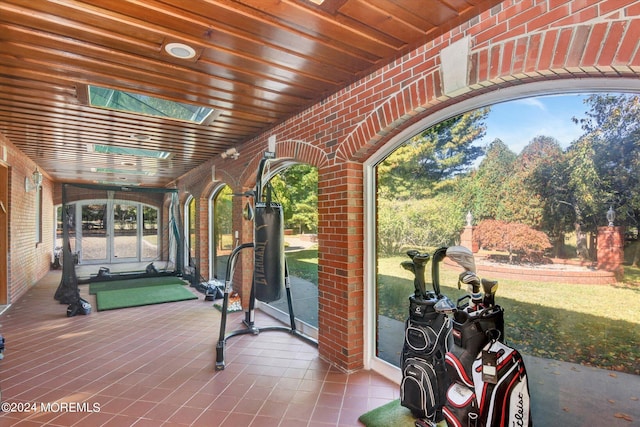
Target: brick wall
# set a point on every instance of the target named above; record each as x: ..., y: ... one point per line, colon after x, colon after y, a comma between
x: 514, y: 43
x: 28, y: 260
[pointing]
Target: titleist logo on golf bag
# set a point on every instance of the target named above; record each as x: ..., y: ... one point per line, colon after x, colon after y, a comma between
x: 497, y: 395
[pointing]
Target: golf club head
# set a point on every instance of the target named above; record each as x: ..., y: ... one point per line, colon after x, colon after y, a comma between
x: 490, y: 287
x: 409, y: 266
x: 463, y: 256
x: 420, y: 261
x: 470, y: 279
x: 445, y: 305
x: 412, y: 253
x: 438, y: 255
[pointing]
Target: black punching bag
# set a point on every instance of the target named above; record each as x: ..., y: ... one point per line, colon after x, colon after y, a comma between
x: 268, y: 267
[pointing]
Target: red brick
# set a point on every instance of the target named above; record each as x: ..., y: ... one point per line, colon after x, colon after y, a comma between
x: 578, y: 43
x: 533, y: 52
x: 610, y: 46
x: 629, y: 44
x: 609, y: 6
x: 562, y: 48
x: 495, y: 58
x: 519, y: 55
x: 594, y: 44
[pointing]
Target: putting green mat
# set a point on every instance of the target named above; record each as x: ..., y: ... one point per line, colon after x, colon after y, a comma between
x: 135, y: 297
x: 110, y: 285
x: 391, y: 414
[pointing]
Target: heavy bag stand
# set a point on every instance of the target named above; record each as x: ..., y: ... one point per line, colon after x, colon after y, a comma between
x: 270, y: 273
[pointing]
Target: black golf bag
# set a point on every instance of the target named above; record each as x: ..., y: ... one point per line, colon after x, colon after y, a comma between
x: 426, y: 342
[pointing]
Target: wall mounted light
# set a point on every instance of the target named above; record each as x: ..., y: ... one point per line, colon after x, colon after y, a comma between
x: 231, y: 152
x: 34, y: 181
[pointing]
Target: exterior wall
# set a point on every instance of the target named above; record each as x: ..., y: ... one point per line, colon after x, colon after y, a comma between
x: 28, y: 261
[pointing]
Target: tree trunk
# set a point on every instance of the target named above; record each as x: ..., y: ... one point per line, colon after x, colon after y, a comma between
x: 559, y: 250
x: 581, y: 243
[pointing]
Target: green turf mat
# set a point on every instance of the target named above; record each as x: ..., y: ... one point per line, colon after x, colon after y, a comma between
x: 109, y: 285
x: 391, y: 414
x: 134, y: 297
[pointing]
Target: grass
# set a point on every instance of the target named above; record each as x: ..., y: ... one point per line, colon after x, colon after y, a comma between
x: 304, y: 264
x: 596, y: 325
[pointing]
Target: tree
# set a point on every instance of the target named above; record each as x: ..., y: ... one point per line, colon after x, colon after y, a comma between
x: 296, y: 188
x: 612, y: 138
x: 487, y: 183
x: 611, y: 174
x: 431, y: 157
x: 511, y: 237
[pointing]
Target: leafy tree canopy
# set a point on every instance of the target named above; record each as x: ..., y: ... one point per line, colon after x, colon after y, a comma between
x: 436, y: 154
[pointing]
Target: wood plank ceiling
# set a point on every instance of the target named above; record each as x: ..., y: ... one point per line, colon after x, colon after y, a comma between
x: 257, y: 63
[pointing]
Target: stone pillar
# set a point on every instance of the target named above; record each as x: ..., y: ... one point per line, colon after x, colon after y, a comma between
x: 466, y: 239
x: 610, y: 250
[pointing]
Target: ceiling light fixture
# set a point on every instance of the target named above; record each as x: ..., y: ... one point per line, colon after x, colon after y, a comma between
x: 180, y: 50
x: 231, y: 152
x: 318, y: 2
x: 140, y: 137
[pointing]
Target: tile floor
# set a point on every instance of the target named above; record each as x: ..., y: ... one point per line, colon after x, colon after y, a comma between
x: 154, y: 365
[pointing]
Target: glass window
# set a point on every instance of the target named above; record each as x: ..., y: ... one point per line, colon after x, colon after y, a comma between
x: 526, y: 185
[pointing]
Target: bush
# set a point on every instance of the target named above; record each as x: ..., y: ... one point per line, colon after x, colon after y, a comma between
x: 512, y: 237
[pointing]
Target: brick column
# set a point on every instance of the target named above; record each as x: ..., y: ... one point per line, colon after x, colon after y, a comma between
x: 341, y: 261
x: 611, y: 250
x: 466, y: 239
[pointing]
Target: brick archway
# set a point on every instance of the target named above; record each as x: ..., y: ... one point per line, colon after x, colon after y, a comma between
x: 514, y: 44
x: 568, y: 43
x: 602, y: 48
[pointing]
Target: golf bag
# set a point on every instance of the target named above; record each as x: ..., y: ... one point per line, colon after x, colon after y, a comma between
x: 426, y: 342
x: 488, y: 380
x: 496, y: 395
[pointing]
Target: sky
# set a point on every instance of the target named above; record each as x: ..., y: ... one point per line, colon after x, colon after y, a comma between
x: 517, y: 122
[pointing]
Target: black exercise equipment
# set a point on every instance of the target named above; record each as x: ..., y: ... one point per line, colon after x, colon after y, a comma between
x: 270, y: 273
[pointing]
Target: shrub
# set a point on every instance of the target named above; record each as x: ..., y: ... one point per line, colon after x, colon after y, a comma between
x: 512, y: 237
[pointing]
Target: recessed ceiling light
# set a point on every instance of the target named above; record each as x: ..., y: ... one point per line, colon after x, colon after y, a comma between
x: 180, y: 50
x: 140, y: 137
x: 318, y: 2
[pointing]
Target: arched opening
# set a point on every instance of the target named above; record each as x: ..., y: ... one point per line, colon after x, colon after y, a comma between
x: 190, y: 232
x: 429, y: 178
x: 295, y: 187
x: 221, y: 238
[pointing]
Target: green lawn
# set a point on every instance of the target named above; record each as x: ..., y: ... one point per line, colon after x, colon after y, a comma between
x: 596, y: 325
x: 304, y: 264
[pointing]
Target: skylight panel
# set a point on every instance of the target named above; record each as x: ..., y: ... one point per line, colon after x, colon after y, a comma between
x: 123, y: 171
x: 128, y: 151
x: 119, y: 100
